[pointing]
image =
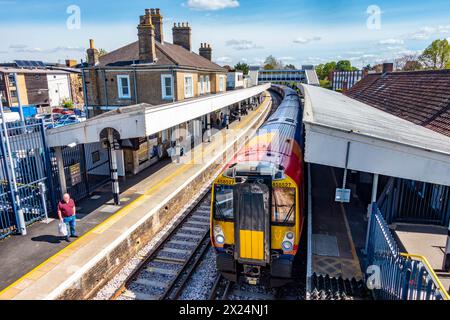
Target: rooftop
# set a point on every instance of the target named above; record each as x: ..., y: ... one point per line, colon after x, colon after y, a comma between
x: 421, y: 97
x: 380, y: 142
x: 168, y: 54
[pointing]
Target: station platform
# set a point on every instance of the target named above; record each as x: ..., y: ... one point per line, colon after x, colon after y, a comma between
x: 41, y: 266
x: 338, y: 230
x: 426, y: 241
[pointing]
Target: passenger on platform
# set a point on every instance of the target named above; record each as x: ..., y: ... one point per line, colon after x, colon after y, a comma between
x: 67, y: 214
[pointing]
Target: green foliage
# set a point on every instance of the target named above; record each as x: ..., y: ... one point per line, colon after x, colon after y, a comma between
x: 437, y: 55
x: 323, y: 70
x: 68, y: 104
x: 290, y: 67
x: 325, y: 84
x: 242, y: 67
x: 272, y: 63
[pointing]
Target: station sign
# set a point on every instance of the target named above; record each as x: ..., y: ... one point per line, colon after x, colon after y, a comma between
x: 343, y: 195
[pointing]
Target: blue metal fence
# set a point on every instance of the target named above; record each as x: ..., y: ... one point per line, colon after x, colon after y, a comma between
x: 401, y: 277
x: 31, y: 167
x: 415, y: 202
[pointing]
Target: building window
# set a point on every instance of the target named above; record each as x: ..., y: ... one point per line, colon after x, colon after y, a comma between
x: 188, y: 86
x: 208, y: 85
x: 222, y: 84
x: 201, y: 85
x: 123, y: 84
x: 167, y: 86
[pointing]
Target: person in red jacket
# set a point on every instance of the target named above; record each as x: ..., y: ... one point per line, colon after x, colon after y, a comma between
x: 67, y: 214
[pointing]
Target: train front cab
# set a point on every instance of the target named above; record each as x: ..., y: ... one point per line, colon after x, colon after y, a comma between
x: 256, y: 229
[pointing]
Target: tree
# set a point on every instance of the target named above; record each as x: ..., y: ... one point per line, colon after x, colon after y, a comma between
x: 272, y: 63
x: 437, y: 55
x: 324, y: 70
x: 408, y: 62
x: 344, y: 65
x: 290, y: 67
x: 242, y: 67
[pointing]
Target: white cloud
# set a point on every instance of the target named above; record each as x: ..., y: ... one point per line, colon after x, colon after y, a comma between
x: 68, y: 49
x: 426, y: 33
x: 302, y: 40
x: 212, y: 5
x: 17, y: 46
x: 242, y: 44
x: 224, y: 60
x: 391, y: 41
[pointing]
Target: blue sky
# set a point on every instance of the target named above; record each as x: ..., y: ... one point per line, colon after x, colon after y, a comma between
x: 296, y: 31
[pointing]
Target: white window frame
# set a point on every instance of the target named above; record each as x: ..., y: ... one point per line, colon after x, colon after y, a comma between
x: 163, y: 86
x: 186, y: 93
x: 201, y: 82
x: 222, y: 83
x: 208, y: 84
x: 120, y: 87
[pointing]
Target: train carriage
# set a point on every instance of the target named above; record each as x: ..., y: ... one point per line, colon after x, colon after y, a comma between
x: 257, y: 206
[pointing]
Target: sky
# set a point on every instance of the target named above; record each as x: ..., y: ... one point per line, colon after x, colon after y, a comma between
x: 298, y: 32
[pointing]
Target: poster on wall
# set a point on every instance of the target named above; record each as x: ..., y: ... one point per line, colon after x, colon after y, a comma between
x: 75, y: 174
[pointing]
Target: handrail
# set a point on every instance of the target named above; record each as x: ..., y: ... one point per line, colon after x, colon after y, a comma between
x: 430, y: 270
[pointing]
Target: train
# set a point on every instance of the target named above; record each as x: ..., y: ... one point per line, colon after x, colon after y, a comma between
x: 258, y: 201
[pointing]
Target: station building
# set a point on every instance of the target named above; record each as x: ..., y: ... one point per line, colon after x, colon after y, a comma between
x: 151, y: 70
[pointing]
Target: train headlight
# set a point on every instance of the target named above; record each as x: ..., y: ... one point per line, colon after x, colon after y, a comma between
x: 219, y: 236
x: 290, y: 236
x: 220, y: 239
x: 287, y: 246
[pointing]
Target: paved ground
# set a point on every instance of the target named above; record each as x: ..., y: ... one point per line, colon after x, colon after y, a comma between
x: 21, y: 254
x: 338, y: 230
x: 426, y: 241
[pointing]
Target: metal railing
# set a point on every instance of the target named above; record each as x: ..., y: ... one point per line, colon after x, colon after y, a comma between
x: 24, y: 183
x: 415, y: 202
x: 398, y: 276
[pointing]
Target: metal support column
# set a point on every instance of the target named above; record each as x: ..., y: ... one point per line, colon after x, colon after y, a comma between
x: 114, y: 170
x: 16, y: 203
x: 61, y: 173
x: 446, y: 263
x: 370, y: 209
x: 208, y: 126
x: 240, y: 110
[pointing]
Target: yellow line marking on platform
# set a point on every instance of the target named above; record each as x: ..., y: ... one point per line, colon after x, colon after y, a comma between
x: 347, y: 226
x: 12, y: 290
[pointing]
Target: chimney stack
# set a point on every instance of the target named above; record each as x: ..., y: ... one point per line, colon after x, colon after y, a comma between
x: 146, y: 35
x: 182, y: 35
x: 388, y: 67
x: 206, y: 51
x: 93, y: 54
x: 157, y: 21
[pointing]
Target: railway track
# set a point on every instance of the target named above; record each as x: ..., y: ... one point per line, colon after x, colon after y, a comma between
x: 164, y: 274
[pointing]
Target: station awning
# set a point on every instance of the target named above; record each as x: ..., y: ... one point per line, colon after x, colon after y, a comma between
x: 144, y: 120
x: 340, y: 128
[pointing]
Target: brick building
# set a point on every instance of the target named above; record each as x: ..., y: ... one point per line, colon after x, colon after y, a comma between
x: 151, y: 70
x: 40, y: 87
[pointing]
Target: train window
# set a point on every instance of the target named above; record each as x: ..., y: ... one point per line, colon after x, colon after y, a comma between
x: 283, y: 206
x: 224, y: 203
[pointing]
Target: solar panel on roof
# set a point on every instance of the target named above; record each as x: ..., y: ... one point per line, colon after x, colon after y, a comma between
x: 30, y: 64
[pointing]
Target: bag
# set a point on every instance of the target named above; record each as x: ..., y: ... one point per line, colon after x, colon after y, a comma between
x: 62, y: 229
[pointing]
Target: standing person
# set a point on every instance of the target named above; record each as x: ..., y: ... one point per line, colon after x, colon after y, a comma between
x: 67, y: 214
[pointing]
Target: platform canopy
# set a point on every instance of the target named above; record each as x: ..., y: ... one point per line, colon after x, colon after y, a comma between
x: 144, y: 120
x: 342, y: 130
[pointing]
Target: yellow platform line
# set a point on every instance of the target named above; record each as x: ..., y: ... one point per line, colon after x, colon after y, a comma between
x: 115, y: 216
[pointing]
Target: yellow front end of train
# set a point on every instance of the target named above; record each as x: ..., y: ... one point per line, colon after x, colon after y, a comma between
x: 255, y: 228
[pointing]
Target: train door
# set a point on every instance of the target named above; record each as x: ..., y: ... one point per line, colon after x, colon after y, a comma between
x: 252, y: 222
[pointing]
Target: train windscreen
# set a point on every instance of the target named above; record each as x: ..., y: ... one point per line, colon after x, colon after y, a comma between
x: 223, y: 203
